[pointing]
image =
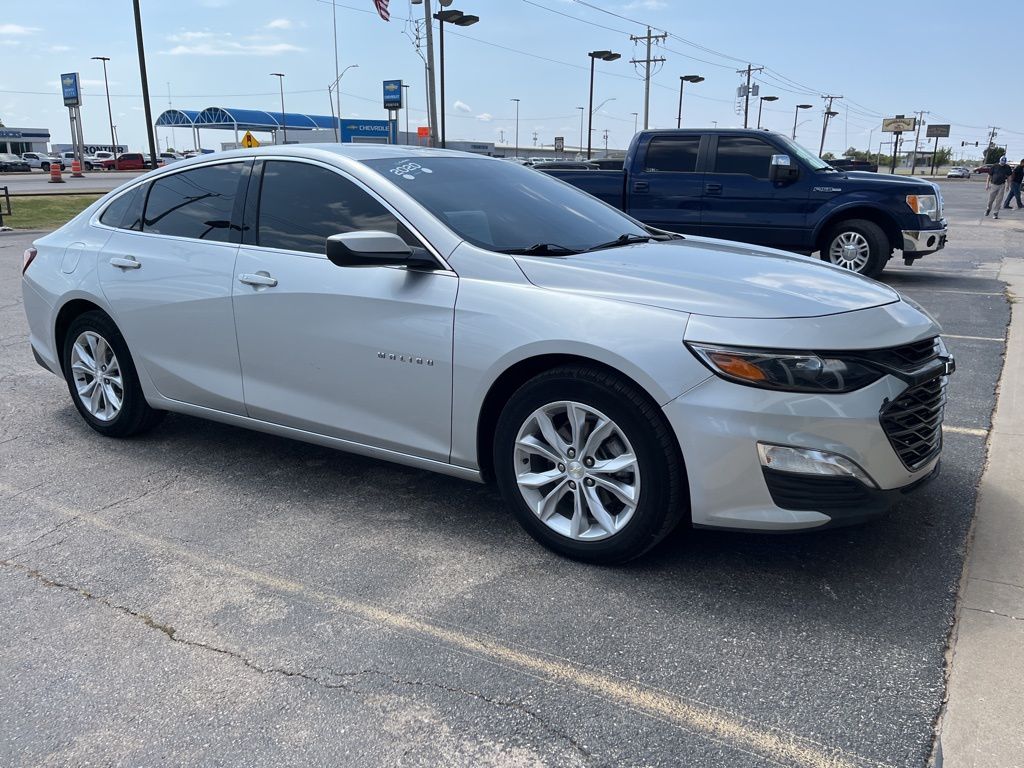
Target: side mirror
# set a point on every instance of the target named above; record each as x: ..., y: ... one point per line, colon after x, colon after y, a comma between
x: 783, y: 170
x: 374, y: 249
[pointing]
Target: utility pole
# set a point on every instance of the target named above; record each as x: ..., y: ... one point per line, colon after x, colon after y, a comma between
x: 992, y: 133
x: 750, y: 70
x: 606, y: 142
x: 647, y: 61
x: 150, y: 128
x: 431, y: 92
x: 917, y: 139
x: 824, y: 122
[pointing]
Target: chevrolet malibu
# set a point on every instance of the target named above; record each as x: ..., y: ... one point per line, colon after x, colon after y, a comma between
x: 473, y: 317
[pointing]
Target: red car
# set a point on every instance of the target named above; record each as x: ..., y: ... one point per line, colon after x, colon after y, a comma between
x: 129, y: 161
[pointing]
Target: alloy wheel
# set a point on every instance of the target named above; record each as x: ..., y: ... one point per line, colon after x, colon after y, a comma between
x: 850, y: 250
x: 577, y: 471
x: 97, y: 376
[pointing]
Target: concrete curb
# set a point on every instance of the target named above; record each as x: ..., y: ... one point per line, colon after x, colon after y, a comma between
x: 983, y: 722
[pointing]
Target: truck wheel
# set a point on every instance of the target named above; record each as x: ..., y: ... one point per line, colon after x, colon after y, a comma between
x: 857, y: 245
x: 589, y: 466
x: 45, y: 167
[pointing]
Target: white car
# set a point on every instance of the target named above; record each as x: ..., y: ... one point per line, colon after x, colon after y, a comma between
x: 958, y: 172
x: 473, y: 317
x: 42, y: 160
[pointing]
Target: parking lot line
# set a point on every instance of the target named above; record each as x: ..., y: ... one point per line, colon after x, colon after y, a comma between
x: 718, y: 725
x: 976, y: 432
x: 974, y: 338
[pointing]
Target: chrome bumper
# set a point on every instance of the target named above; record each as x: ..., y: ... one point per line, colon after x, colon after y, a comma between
x: 924, y: 240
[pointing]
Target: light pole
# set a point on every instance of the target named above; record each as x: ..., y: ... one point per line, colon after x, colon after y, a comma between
x: 336, y: 100
x: 110, y: 114
x: 284, y: 120
x: 636, y: 116
x: 594, y: 56
x: 796, y: 114
x: 685, y: 79
x: 405, y: 101
x: 517, y: 125
x: 581, y: 109
x: 140, y: 47
x: 459, y: 19
x: 760, y: 106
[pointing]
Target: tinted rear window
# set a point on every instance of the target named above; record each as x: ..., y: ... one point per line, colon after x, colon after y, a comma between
x: 197, y: 203
x: 126, y: 211
x: 673, y: 154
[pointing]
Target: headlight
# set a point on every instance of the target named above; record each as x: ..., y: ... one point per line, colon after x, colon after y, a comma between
x: 786, y: 371
x: 925, y: 205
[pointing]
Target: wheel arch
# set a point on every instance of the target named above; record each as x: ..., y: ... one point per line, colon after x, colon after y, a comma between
x: 517, y: 374
x: 889, y: 225
x: 66, y: 316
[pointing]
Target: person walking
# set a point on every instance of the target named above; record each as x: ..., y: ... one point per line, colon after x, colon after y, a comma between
x: 996, y: 185
x: 1016, y: 179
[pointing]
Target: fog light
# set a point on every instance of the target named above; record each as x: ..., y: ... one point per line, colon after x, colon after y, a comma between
x: 803, y: 461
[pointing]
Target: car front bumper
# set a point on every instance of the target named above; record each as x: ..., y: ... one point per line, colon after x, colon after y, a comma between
x: 719, y: 425
x: 924, y: 241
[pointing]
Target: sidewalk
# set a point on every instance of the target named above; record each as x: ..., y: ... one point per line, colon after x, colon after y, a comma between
x: 983, y: 725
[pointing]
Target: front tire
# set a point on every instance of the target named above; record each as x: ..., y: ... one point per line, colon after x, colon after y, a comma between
x: 102, y: 379
x: 589, y: 466
x: 858, y: 245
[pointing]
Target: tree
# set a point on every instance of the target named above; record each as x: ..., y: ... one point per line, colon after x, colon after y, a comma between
x: 993, y: 153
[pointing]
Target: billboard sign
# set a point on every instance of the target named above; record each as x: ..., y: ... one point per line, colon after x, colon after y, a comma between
x: 936, y: 131
x: 898, y: 124
x: 559, y: 143
x: 70, y: 90
x: 392, y: 94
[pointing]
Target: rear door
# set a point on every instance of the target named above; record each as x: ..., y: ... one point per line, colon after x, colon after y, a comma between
x: 666, y: 191
x: 167, y: 274
x: 741, y: 202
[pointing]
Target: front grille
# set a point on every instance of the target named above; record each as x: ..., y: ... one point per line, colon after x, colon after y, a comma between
x: 908, y: 356
x: 913, y: 422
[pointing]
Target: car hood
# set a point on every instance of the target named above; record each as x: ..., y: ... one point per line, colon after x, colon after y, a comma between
x: 883, y: 181
x: 710, y: 277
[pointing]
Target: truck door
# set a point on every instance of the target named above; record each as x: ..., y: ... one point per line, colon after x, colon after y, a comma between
x: 741, y: 203
x: 665, y: 187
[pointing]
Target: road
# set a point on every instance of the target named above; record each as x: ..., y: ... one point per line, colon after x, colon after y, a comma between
x: 206, y: 595
x: 38, y: 183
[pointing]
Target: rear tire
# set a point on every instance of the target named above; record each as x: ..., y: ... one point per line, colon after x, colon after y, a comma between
x: 102, y: 378
x: 858, y: 245
x: 45, y: 167
x: 604, y: 500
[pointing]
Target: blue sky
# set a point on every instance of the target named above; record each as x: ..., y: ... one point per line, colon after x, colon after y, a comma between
x: 884, y: 58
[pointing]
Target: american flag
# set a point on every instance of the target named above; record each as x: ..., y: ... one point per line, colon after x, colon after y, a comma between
x: 382, y: 9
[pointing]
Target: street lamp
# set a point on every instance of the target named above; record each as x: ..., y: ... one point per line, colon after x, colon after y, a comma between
x: 760, y: 106
x: 684, y: 79
x: 517, y: 125
x: 459, y: 19
x: 581, y: 109
x: 284, y: 120
x: 336, y: 100
x: 796, y: 114
x: 110, y: 114
x: 405, y: 101
x: 594, y: 56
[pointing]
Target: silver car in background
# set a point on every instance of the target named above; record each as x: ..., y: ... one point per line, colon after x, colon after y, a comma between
x: 470, y: 316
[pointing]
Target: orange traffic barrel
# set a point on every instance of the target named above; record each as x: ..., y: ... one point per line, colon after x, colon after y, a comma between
x: 55, y: 174
x: 76, y: 170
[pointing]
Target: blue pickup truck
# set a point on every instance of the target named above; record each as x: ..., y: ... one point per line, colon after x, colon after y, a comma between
x: 759, y: 187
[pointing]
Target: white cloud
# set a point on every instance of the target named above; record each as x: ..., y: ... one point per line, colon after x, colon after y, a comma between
x: 59, y: 48
x: 17, y: 29
x: 207, y: 43
x: 646, y: 5
x: 184, y: 37
x: 280, y: 24
x: 485, y: 117
x: 461, y: 106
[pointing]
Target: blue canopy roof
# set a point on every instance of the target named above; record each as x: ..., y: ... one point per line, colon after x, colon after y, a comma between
x: 245, y: 119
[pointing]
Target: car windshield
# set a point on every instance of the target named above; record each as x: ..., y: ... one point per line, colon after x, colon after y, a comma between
x: 816, y: 163
x: 506, y: 207
x: 7, y: 157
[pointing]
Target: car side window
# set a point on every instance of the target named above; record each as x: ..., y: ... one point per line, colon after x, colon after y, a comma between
x: 126, y: 211
x: 196, y: 203
x: 301, y: 205
x: 744, y: 154
x: 672, y: 154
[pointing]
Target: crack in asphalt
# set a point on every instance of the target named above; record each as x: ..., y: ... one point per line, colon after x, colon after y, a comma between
x: 174, y: 635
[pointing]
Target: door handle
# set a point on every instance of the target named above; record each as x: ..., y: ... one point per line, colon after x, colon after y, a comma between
x: 259, y: 279
x: 712, y: 189
x: 641, y: 186
x: 125, y: 263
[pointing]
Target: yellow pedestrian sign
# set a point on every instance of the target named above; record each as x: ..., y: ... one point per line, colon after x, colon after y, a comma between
x: 249, y: 141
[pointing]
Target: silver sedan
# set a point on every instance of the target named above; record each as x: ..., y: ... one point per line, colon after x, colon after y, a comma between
x: 473, y: 317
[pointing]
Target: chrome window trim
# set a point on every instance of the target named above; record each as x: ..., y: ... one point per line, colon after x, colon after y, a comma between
x: 427, y: 245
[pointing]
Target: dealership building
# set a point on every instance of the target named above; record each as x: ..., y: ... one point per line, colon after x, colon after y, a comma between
x: 18, y: 140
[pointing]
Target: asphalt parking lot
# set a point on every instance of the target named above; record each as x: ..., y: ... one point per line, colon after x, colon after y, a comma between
x: 207, y: 595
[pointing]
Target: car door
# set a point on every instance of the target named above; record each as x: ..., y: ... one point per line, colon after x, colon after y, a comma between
x: 741, y: 202
x: 167, y: 272
x: 362, y: 354
x: 666, y: 192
